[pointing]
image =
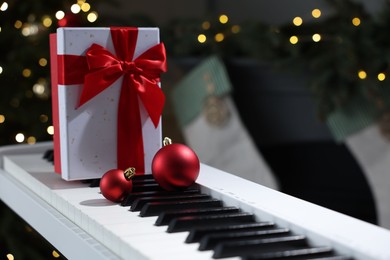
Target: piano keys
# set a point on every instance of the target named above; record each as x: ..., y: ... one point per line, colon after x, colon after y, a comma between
x: 222, y: 216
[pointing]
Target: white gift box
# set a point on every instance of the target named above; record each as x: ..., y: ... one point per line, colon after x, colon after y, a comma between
x: 85, y: 139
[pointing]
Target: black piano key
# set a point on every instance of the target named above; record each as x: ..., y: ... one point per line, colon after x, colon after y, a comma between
x: 165, y: 217
x: 140, y: 202
x: 196, y: 234
x: 49, y: 155
x: 131, y: 197
x: 146, y: 187
x: 257, y: 246
x: 208, y: 242
x: 156, y: 208
x: 94, y: 183
x: 190, y: 222
x: 305, y: 253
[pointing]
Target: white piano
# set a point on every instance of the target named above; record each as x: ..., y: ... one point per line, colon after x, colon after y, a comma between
x: 80, y: 223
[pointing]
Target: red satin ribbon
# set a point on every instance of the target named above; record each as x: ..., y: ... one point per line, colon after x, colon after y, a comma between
x: 100, y: 68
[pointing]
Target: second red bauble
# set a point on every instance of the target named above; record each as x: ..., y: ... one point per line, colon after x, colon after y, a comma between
x: 175, y: 167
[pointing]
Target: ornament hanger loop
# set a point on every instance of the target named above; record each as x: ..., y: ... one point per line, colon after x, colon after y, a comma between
x: 129, y: 173
x: 167, y: 141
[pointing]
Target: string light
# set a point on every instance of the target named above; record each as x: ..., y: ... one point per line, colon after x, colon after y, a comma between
x: 19, y: 138
x: 18, y: 24
x: 297, y: 21
x: 316, y: 37
x: 10, y: 257
x: 294, y: 39
x: 60, y: 14
x: 92, y: 17
x: 381, y: 76
x: 219, y: 37
x: 223, y: 19
x: 316, y: 13
x: 2, y: 119
x: 31, y: 140
x: 1, y: 70
x: 42, y: 62
x: 206, y: 25
x: 46, y: 21
x: 362, y: 74
x: 30, y: 29
x: 55, y: 254
x: 75, y: 8
x: 50, y: 130
x: 85, y: 7
x: 202, y: 38
x: 356, y: 21
x: 43, y: 118
x: 4, y: 6
x: 236, y: 29
x: 38, y: 89
x: 26, y: 73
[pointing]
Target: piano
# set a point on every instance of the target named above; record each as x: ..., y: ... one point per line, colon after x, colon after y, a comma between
x: 222, y: 217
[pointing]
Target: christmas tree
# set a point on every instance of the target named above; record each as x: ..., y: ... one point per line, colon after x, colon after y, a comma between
x: 25, y: 110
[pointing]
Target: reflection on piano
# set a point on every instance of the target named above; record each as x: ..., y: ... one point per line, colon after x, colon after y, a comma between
x: 222, y: 216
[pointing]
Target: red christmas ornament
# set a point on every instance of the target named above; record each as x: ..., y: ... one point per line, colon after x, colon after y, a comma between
x: 175, y: 166
x: 116, y: 184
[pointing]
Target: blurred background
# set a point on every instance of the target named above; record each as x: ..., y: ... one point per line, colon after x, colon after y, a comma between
x: 300, y: 80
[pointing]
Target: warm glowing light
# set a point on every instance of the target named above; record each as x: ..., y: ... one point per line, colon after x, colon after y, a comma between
x: 55, y: 254
x: 356, y: 21
x: 206, y: 25
x: 223, y: 18
x: 202, y: 38
x: 30, y: 29
x: 2, y: 119
x: 18, y: 24
x: 26, y: 73
x: 85, y: 7
x: 236, y: 29
x: 219, y: 37
x: 362, y: 74
x: 293, y: 39
x: 316, y: 13
x: 46, y: 21
x: 43, y: 118
x: 381, y: 76
x: 75, y: 8
x: 10, y: 257
x: 19, y: 138
x: 316, y: 37
x: 42, y: 62
x: 92, y: 17
x: 1, y: 69
x: 39, y: 88
x: 4, y: 6
x: 31, y: 140
x: 297, y: 21
x: 60, y: 15
x: 50, y: 130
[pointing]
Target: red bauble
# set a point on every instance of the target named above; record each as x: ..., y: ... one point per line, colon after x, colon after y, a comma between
x: 116, y: 184
x: 175, y: 166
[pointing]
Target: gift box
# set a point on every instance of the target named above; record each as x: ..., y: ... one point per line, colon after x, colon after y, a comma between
x: 106, y: 99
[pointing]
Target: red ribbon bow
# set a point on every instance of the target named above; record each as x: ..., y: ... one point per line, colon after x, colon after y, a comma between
x: 140, y: 82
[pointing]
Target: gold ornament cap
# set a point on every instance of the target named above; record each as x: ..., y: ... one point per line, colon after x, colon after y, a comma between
x: 129, y: 173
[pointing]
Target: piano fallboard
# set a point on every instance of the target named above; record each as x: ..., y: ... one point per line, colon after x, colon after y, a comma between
x: 78, y: 221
